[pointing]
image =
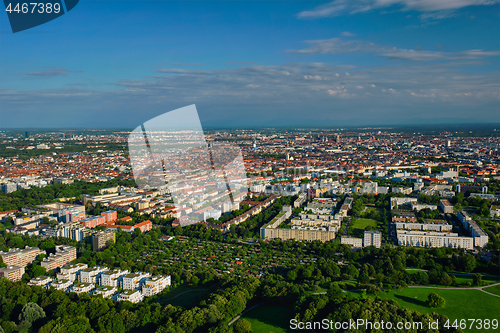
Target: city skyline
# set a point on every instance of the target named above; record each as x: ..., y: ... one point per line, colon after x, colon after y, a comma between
x: 255, y: 64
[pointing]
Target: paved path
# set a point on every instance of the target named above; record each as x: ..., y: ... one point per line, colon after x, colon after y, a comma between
x: 429, y: 287
x: 241, y: 314
x: 475, y: 288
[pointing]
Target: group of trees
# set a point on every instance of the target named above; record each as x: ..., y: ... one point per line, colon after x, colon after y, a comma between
x: 43, y: 195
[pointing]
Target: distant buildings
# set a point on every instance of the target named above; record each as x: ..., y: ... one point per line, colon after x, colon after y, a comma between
x: 370, y: 238
x: 100, y: 239
x: 64, y: 255
x: 11, y: 272
x: 445, y: 206
x: 475, y: 231
x: 20, y: 257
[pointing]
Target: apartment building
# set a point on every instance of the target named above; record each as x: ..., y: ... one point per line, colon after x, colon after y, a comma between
x: 433, y: 239
x: 475, y: 231
x: 92, y: 274
x: 42, y: 281
x: 403, y: 216
x: 445, y: 206
x: 113, y: 278
x: 155, y: 285
x: 133, y: 296
x: 62, y: 285
x: 82, y: 287
x: 11, y: 272
x: 71, y: 272
x: 372, y: 238
x: 100, y: 239
x: 20, y: 257
x: 135, y: 280
x: 428, y: 225
x: 105, y: 291
x: 63, y: 256
x: 353, y: 241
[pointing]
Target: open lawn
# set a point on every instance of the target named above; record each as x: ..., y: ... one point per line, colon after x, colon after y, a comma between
x: 268, y: 318
x: 494, y: 290
x: 460, y: 304
x: 359, y: 225
x: 184, y: 296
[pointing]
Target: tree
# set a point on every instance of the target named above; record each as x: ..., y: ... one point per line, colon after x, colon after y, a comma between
x: 435, y: 301
x: 291, y: 275
x: 446, y: 280
x: 334, y: 292
x: 31, y: 312
x: 478, y: 279
x: 243, y: 326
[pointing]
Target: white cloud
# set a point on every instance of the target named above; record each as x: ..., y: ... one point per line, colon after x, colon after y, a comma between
x: 339, y: 7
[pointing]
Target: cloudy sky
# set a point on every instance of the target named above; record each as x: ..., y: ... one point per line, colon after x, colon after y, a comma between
x: 255, y: 63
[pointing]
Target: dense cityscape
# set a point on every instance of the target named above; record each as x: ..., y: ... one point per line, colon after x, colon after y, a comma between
x: 322, y: 216
x: 250, y: 166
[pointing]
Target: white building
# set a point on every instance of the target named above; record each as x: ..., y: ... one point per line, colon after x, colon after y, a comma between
x: 42, y: 281
x: 155, y: 285
x: 133, y: 296
x: 113, y: 278
x: 91, y: 274
x: 134, y: 280
x: 82, y: 287
x: 105, y: 291
x: 372, y: 238
x: 61, y: 285
x: 355, y: 242
x: 71, y: 272
x: 433, y: 239
x: 212, y: 213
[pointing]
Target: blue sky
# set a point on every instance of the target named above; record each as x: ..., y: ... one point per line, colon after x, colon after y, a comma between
x: 255, y: 63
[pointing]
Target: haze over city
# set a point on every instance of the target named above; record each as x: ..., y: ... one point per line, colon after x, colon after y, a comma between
x: 263, y: 63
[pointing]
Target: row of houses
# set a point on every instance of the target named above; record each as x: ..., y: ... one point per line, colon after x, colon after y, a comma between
x: 103, y: 281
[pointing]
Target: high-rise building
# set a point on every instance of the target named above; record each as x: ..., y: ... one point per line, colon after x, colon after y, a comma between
x: 101, y: 238
x: 372, y: 238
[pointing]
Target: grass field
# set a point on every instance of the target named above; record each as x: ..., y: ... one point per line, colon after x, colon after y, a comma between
x: 460, y: 304
x: 494, y: 290
x: 464, y: 277
x: 359, y: 225
x: 270, y: 319
x: 190, y: 296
